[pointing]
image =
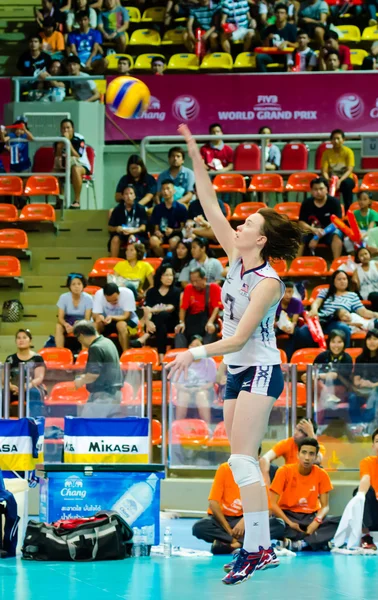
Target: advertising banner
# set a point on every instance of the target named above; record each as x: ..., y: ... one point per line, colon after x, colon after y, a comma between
x: 106, y: 440
x: 291, y: 103
x: 21, y: 444
x: 5, y: 96
x: 135, y: 496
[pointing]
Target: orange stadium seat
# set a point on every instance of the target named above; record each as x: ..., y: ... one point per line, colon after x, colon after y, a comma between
x: 305, y: 356
x: 42, y: 185
x: 38, y: 212
x: 290, y: 209
x: 300, y: 182
x: 283, y: 356
x: 353, y: 206
x: 104, y: 266
x: 229, y: 183
x: 370, y: 182
x: 8, y: 213
x: 339, y: 262
x: 10, y: 266
x: 219, y: 438
x: 91, y: 289
x: 145, y: 355
x: 190, y: 432
x: 244, y: 209
x: 57, y: 358
x: 315, y: 292
x: 66, y: 393
x: 156, y: 432
x: 354, y: 352
x: 228, y: 211
x: 13, y: 238
x: 319, y: 153
x: 266, y: 182
x: 154, y: 262
x: 301, y: 396
x: 247, y: 157
x: 223, y: 260
x: 128, y: 395
x: 171, y: 354
x: 294, y: 157
x: 43, y: 161
x: 10, y: 186
x: 308, y: 265
x: 280, y: 267
x: 81, y: 361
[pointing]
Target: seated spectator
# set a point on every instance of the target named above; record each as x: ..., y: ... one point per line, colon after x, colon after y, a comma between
x: 113, y: 22
x: 161, y: 309
x: 355, y: 322
x: 300, y: 497
x: 177, y: 9
x: 328, y: 301
x: 114, y: 312
x: 19, y: 149
x: 331, y: 44
x: 369, y: 488
x: 127, y: 219
x: 333, y: 61
x: 84, y: 90
x: 158, y: 65
x: 167, y: 219
x: 272, y: 151
x: 52, y: 40
x: 200, y: 258
x: 312, y: 18
x: 78, y: 6
x: 49, y: 9
x: 287, y: 315
x: 236, y: 24
x: 52, y: 90
x: 315, y: 215
x: 365, y: 277
x: 123, y: 66
x: 144, y: 183
x: 181, y: 177
x: 32, y: 62
x: 363, y: 403
x: 216, y: 154
x: 200, y: 306
x: 202, y: 228
x: 4, y: 139
x: 86, y: 44
x: 134, y: 271
x: 25, y: 354
x: 73, y: 306
x: 203, y: 16
x: 181, y: 257
x: 339, y: 161
x: 280, y: 35
x: 308, y: 60
x: 79, y: 160
x: 366, y: 217
x: 370, y: 62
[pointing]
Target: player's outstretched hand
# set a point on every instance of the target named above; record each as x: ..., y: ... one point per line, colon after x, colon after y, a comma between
x: 190, y: 141
x: 180, y: 365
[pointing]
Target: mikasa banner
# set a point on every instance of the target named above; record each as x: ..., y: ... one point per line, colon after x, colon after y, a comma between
x: 106, y: 440
x: 21, y: 444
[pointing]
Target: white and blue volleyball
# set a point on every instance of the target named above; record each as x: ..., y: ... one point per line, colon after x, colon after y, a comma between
x: 127, y: 97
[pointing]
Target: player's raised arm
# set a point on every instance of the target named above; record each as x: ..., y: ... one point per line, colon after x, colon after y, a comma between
x: 208, y: 198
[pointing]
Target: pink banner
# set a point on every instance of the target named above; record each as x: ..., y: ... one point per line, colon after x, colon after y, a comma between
x: 5, y: 96
x: 292, y: 103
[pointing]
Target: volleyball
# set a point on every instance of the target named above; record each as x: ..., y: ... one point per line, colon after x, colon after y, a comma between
x: 127, y: 97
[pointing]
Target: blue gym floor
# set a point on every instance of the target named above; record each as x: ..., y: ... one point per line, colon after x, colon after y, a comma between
x: 318, y: 576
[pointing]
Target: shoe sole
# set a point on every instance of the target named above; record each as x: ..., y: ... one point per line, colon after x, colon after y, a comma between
x: 272, y: 564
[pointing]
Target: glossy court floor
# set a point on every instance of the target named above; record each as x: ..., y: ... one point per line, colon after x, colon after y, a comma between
x: 306, y: 577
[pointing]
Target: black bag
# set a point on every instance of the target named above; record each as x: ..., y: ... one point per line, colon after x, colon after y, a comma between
x: 13, y: 311
x: 105, y: 536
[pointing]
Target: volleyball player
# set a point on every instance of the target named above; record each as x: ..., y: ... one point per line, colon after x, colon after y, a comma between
x: 250, y: 296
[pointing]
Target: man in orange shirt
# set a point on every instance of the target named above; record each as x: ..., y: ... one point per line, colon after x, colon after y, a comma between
x: 299, y: 496
x: 369, y: 487
x: 52, y: 40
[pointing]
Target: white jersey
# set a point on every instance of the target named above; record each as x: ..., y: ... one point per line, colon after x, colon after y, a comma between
x: 261, y: 347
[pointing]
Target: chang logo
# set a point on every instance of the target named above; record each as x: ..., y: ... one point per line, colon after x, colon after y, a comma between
x: 185, y: 108
x: 350, y: 107
x: 154, y: 103
x: 73, y: 488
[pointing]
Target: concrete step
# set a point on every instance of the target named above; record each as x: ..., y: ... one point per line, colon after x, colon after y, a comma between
x: 67, y: 254
x: 61, y: 267
x: 40, y: 297
x: 41, y: 312
x: 69, y: 239
x: 40, y: 328
x: 48, y: 283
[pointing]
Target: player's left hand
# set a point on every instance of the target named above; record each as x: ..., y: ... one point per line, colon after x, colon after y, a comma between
x: 312, y: 527
x: 180, y: 365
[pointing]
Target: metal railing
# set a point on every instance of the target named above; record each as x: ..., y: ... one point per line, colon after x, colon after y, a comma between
x: 24, y: 79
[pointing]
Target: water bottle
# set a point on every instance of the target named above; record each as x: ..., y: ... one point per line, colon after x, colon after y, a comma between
x: 143, y: 542
x: 136, y: 499
x: 167, y: 542
x: 136, y: 550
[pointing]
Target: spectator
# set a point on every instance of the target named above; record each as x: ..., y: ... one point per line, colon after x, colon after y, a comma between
x: 315, y: 215
x: 181, y: 256
x: 287, y: 315
x: 86, y: 44
x: 25, y: 354
x: 300, y: 497
x: 366, y: 217
x: 127, y: 219
x: 216, y: 154
x: 200, y: 258
x: 52, y: 90
x: 370, y: 62
x: 272, y: 151
x: 333, y: 61
x: 312, y: 18
x: 167, y: 219
x: 113, y: 22
x: 123, y: 66
x: 202, y: 16
x: 32, y: 62
x: 135, y: 271
x: 331, y: 43
x: 363, y: 402
x: 114, y: 312
x: 73, y: 306
x: 158, y: 65
x: 84, y: 89
x: 49, y: 9
x: 177, y: 9
x: 325, y: 305
x: 52, y: 40
x: 78, y: 6
x: 369, y: 488
x: 355, y: 322
x: 236, y: 24
x: 307, y: 58
x: 19, y: 149
x: 339, y: 161
x: 280, y: 35
x: 181, y: 177
x: 4, y: 139
x: 195, y: 210
x: 144, y: 183
x: 161, y: 308
x: 365, y: 277
x: 79, y: 160
x: 200, y: 306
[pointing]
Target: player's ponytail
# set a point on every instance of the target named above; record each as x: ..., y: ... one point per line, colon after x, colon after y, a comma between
x: 283, y: 237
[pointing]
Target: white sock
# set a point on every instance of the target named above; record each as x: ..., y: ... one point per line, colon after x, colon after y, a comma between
x: 256, y: 531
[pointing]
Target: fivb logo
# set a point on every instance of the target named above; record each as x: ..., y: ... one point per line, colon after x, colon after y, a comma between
x: 350, y: 107
x: 185, y: 108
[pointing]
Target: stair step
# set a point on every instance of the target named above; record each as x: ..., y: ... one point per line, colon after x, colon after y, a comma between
x: 37, y: 328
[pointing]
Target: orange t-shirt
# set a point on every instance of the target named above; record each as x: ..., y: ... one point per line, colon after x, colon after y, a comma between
x: 289, y: 450
x: 225, y: 491
x: 54, y: 43
x: 300, y: 493
x: 369, y: 466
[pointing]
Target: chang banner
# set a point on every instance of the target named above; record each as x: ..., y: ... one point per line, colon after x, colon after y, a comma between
x: 242, y: 103
x: 106, y: 440
x: 21, y: 444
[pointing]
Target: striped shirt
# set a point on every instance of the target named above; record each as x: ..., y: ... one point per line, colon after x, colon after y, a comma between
x: 203, y: 16
x: 237, y: 12
x: 349, y: 300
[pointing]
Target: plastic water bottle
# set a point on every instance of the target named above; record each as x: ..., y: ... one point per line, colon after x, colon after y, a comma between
x: 167, y: 543
x: 136, y: 499
x: 143, y: 542
x: 137, y: 546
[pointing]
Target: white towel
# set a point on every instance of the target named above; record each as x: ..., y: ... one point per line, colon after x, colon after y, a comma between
x: 349, y: 530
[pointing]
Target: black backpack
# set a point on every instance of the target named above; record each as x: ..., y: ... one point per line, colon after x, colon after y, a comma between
x: 13, y: 311
x: 105, y: 536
